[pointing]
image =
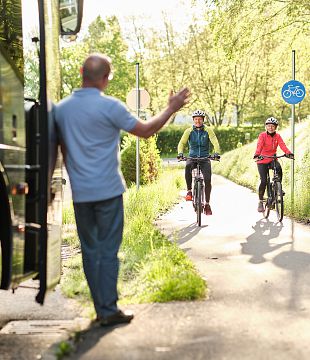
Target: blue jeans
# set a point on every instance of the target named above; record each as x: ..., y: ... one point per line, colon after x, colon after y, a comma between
x: 100, y: 229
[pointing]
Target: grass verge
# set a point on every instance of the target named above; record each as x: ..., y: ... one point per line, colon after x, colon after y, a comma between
x: 153, y: 269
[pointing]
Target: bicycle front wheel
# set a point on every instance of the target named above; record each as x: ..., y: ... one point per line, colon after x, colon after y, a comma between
x: 278, y: 195
x: 268, y: 201
x: 199, y: 203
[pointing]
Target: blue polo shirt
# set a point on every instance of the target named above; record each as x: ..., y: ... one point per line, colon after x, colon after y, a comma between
x: 89, y: 124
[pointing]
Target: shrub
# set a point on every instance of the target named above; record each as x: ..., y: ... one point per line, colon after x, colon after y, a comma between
x: 150, y: 162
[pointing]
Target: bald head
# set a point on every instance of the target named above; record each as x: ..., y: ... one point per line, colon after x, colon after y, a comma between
x: 96, y: 69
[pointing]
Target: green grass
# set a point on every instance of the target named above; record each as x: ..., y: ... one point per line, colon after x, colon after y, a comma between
x: 238, y: 165
x: 153, y: 269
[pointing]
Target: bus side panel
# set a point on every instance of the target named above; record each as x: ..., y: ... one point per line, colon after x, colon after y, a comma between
x: 12, y: 158
x: 5, y: 234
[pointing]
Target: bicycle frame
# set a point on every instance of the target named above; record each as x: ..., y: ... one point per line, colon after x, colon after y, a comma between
x: 198, y: 193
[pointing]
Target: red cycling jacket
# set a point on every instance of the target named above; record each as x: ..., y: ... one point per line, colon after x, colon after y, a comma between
x: 267, y: 145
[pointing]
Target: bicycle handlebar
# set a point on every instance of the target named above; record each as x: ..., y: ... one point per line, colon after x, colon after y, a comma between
x: 210, y: 157
x: 261, y: 157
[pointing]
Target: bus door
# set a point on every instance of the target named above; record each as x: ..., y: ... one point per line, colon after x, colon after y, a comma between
x: 50, y: 175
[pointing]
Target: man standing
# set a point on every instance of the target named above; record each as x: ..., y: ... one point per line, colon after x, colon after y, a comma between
x: 89, y: 126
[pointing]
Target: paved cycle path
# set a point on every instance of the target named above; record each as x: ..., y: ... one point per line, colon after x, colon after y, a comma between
x: 258, y: 275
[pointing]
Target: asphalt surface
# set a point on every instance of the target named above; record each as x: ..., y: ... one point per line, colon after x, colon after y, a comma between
x: 258, y: 305
x: 30, y: 331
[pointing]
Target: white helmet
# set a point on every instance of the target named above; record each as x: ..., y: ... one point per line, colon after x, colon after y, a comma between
x: 272, y: 121
x: 198, y: 113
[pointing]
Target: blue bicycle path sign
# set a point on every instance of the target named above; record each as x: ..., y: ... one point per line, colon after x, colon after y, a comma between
x: 293, y: 92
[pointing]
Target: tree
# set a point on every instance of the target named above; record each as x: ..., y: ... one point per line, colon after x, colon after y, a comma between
x: 72, y: 58
x: 105, y: 37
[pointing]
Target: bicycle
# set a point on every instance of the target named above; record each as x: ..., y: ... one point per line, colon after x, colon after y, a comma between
x: 198, y: 188
x: 293, y: 91
x: 274, y: 190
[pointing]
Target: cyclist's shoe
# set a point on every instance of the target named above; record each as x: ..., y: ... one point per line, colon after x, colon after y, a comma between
x: 207, y: 209
x: 260, y: 207
x: 283, y: 192
x: 189, y: 196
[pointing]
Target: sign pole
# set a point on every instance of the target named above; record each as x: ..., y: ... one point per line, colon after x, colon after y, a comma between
x: 137, y: 139
x: 293, y: 136
x: 293, y: 92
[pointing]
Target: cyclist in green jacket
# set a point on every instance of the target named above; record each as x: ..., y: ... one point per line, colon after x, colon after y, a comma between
x: 199, y: 137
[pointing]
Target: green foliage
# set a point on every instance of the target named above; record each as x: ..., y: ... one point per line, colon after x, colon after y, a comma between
x: 104, y: 36
x: 168, y: 138
x: 238, y: 166
x: 74, y: 283
x: 166, y: 275
x: 72, y: 58
x: 153, y: 268
x: 31, y: 75
x: 64, y: 349
x: 235, y: 63
x: 150, y: 162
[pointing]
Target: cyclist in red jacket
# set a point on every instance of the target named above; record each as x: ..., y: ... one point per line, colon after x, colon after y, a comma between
x: 267, y: 145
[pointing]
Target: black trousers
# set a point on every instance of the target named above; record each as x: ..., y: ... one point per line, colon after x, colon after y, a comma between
x: 205, y: 167
x: 263, y: 170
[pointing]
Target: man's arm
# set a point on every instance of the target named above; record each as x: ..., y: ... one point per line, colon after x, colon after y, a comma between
x: 150, y: 127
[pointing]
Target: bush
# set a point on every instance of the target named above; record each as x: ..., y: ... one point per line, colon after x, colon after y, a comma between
x: 150, y: 162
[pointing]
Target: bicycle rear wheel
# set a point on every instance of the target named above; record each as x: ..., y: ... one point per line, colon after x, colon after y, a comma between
x: 199, y: 203
x: 278, y: 195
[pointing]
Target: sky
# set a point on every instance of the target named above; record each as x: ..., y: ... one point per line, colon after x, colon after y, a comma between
x: 149, y: 13
x: 151, y: 10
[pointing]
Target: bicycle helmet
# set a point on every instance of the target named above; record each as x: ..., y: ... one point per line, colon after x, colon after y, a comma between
x: 272, y: 121
x: 198, y: 113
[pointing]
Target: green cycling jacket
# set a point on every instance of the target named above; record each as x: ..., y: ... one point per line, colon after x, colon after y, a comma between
x: 199, y: 141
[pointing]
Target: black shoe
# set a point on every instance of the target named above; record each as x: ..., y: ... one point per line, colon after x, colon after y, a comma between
x: 119, y: 317
x: 207, y: 209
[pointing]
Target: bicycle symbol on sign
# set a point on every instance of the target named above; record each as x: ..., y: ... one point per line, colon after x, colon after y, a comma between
x: 293, y: 91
